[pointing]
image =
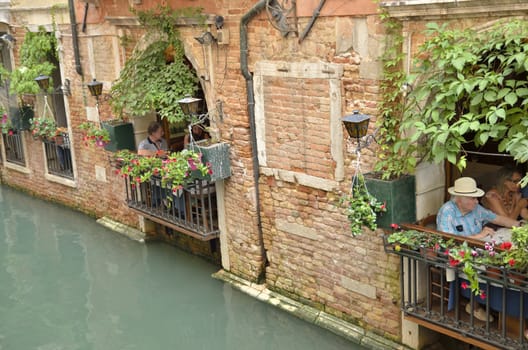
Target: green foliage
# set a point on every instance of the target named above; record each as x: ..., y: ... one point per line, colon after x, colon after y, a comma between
x: 473, y: 88
x: 94, y: 134
x: 37, y: 52
x: 518, y: 255
x: 361, y: 207
x: 393, y: 159
x: 148, y: 81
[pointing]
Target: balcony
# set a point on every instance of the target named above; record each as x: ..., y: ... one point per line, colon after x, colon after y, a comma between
x: 434, y: 295
x: 58, y: 156
x: 191, y: 211
x: 14, y: 150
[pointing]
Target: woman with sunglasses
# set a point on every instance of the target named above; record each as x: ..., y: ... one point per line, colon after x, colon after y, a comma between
x: 505, y: 198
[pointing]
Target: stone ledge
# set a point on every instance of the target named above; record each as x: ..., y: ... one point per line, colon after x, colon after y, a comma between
x: 335, y: 325
x: 125, y: 230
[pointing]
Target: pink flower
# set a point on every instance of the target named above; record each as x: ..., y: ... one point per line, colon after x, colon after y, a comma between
x: 511, y: 262
x: 394, y: 226
x: 10, y: 133
x: 482, y: 295
x: 464, y: 285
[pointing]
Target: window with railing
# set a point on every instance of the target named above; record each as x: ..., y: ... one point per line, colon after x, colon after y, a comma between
x: 58, y: 156
x: 14, y: 150
x: 436, y: 293
x: 191, y: 210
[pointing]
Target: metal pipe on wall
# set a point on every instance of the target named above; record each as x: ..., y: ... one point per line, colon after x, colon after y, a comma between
x: 255, y: 10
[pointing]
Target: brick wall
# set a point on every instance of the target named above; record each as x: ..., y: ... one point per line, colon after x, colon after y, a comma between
x: 311, y: 254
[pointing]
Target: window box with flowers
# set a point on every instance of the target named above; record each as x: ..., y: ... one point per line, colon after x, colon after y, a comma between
x: 176, y: 171
x: 216, y: 156
x: 94, y: 134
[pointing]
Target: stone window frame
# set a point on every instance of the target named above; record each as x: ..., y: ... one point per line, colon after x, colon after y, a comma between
x: 310, y: 70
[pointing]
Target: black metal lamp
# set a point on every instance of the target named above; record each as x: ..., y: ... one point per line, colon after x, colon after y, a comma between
x: 356, y: 124
x: 190, y: 105
x: 96, y: 88
x: 43, y: 82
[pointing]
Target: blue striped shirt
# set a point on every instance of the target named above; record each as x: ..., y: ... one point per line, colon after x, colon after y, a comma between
x: 451, y: 220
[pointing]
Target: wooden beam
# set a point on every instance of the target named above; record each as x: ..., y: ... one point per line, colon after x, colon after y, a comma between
x: 448, y: 332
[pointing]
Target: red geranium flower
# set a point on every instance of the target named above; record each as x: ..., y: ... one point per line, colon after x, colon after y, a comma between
x: 505, y: 245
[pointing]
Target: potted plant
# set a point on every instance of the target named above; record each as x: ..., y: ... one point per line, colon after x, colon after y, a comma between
x: 216, y: 156
x: 361, y: 207
x: 407, y: 239
x: 43, y: 128
x: 120, y: 135
x: 94, y: 135
x: 393, y: 179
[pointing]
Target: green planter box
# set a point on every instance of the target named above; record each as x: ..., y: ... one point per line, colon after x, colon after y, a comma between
x: 20, y: 117
x: 121, y: 136
x: 218, y: 155
x: 400, y: 197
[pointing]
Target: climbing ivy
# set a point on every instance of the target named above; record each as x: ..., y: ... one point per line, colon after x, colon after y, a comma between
x: 150, y: 80
x: 393, y: 160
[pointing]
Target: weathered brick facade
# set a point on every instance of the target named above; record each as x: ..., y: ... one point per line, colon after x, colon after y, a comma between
x: 303, y: 247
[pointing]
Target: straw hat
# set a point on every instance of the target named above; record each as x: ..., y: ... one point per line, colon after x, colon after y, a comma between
x: 465, y: 187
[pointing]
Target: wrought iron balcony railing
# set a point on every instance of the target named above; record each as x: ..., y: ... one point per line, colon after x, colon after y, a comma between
x: 13, y: 148
x: 192, y: 210
x: 435, y: 295
x: 58, y: 156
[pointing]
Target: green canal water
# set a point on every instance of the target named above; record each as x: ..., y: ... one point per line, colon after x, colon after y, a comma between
x: 67, y: 283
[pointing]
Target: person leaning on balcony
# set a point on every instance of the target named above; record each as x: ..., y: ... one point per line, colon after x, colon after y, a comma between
x: 154, y: 144
x: 464, y: 216
x: 505, y: 198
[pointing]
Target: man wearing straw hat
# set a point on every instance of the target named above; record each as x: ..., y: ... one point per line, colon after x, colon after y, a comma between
x: 464, y: 216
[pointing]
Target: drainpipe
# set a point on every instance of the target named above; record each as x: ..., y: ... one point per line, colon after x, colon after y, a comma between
x: 75, y: 41
x: 251, y: 111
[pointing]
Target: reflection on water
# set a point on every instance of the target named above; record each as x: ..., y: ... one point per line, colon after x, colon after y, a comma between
x: 69, y: 283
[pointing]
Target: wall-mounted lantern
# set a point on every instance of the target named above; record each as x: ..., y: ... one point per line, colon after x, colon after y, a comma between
x: 96, y: 88
x: 356, y: 125
x: 43, y: 82
x: 190, y: 105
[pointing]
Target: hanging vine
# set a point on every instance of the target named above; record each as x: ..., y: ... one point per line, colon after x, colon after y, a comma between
x: 156, y: 77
